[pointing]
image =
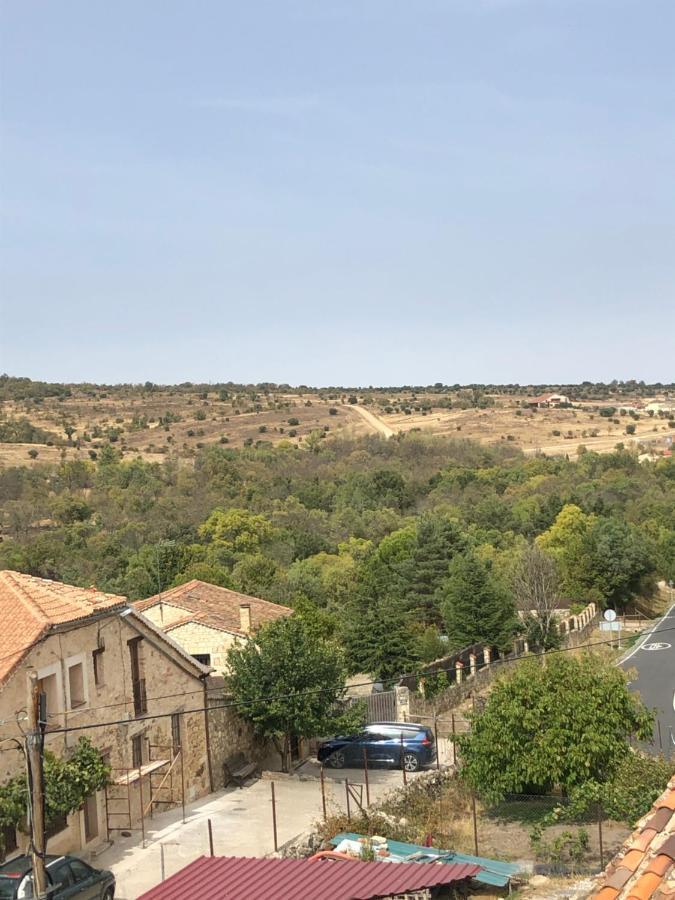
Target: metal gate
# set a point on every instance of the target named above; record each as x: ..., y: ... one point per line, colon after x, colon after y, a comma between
x: 382, y: 707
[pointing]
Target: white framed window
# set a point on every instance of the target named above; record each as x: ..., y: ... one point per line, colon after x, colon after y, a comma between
x: 50, y: 683
x: 77, y: 694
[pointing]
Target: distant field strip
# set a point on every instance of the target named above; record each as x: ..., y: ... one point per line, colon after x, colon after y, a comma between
x: 373, y: 421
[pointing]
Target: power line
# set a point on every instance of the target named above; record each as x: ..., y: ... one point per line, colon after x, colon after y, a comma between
x: 309, y: 692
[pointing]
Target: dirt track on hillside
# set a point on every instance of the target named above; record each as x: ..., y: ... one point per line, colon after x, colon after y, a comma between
x: 373, y: 421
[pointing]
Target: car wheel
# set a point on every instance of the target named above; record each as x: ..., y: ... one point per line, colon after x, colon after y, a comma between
x: 109, y: 894
x: 337, y: 759
x: 410, y: 762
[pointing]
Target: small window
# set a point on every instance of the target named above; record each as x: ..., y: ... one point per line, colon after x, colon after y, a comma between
x: 49, y: 686
x: 97, y: 660
x: 175, y: 731
x: 203, y: 658
x: 137, y: 751
x: 76, y: 685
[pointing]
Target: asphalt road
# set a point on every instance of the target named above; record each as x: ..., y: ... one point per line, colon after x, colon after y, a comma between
x: 654, y: 659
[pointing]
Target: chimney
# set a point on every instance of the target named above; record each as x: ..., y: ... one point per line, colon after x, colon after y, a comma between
x: 245, y: 617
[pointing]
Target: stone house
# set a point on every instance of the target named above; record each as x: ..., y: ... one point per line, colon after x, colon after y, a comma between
x: 206, y: 620
x: 101, y: 663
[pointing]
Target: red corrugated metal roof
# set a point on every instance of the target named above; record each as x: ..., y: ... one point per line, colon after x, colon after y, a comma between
x: 243, y: 878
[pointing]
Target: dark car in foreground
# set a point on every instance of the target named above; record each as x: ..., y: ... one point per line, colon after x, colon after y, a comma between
x: 404, y: 745
x: 68, y: 877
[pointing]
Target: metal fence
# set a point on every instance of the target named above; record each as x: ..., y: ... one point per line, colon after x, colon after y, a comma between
x: 381, y: 707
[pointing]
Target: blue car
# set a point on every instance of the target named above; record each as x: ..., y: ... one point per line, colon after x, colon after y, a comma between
x: 404, y: 745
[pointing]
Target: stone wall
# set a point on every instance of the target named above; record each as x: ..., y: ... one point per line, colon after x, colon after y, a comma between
x: 473, y: 668
x: 229, y: 735
x: 198, y: 638
x: 172, y: 687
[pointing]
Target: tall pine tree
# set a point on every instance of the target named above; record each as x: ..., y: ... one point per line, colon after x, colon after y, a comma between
x: 476, y: 609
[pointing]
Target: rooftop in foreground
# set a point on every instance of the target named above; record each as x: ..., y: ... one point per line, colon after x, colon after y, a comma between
x: 299, y: 879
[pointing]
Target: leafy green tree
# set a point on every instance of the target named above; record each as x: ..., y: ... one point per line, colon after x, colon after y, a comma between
x: 237, y: 530
x: 569, y: 541
x: 68, y: 783
x: 562, y: 726
x: 621, y: 558
x: 289, y: 683
x: 476, y: 608
x: 599, y: 558
x: 328, y: 579
x: 430, y: 645
x: 319, y: 622
x: 637, y: 782
x: 255, y: 574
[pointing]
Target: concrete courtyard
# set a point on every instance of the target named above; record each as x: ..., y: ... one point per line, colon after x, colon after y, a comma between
x: 241, y: 821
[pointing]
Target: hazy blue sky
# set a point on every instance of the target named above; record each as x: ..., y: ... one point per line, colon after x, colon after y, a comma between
x: 383, y: 191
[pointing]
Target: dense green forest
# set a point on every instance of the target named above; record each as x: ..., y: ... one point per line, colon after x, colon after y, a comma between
x: 398, y: 548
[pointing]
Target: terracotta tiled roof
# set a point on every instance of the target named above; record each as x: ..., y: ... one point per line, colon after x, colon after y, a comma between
x: 30, y: 606
x: 215, y: 606
x: 645, y: 866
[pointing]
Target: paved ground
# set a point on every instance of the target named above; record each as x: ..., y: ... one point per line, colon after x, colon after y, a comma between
x: 654, y: 659
x: 241, y: 822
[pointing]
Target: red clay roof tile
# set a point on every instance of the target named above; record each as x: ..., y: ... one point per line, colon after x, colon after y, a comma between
x: 659, y: 819
x: 644, y: 839
x: 660, y: 865
x: 30, y: 606
x: 215, y: 606
x: 645, y: 871
x: 607, y: 893
x: 632, y: 859
x: 644, y: 887
x: 619, y: 878
x: 668, y: 847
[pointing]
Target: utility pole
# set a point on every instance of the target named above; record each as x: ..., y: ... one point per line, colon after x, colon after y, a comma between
x: 36, y: 792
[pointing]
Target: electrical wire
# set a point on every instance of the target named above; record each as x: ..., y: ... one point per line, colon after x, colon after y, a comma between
x: 309, y: 692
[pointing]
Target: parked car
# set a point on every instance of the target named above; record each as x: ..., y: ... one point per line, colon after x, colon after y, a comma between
x: 400, y: 744
x: 68, y: 876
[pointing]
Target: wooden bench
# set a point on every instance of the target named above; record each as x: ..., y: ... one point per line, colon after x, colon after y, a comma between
x: 238, y: 770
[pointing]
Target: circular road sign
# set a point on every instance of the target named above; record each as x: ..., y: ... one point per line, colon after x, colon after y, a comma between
x: 609, y: 615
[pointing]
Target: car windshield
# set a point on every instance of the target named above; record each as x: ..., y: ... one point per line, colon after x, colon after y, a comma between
x: 8, y: 887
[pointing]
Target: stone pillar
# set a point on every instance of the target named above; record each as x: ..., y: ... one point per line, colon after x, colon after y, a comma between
x: 472, y: 664
x: 459, y: 666
x: 487, y: 656
x: 402, y: 695
x: 526, y: 647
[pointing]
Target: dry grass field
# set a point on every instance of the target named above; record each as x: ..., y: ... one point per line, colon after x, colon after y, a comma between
x: 177, y: 423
